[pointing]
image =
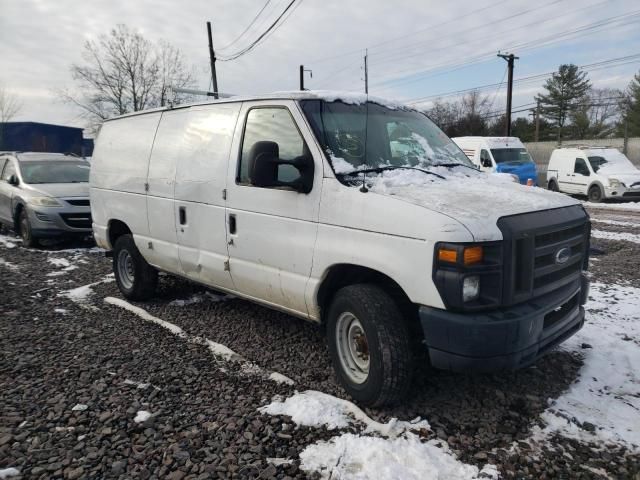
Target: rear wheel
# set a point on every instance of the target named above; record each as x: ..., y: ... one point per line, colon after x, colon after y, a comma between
x: 595, y: 194
x: 553, y: 186
x: 369, y: 345
x: 26, y: 233
x: 136, y: 279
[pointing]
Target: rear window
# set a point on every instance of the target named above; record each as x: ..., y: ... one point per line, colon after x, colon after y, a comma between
x: 54, y: 172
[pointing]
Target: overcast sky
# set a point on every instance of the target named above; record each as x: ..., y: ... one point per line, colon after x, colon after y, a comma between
x: 417, y: 48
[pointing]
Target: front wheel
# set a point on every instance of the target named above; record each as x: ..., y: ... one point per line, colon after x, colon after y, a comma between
x: 26, y: 233
x: 595, y: 194
x: 369, y: 345
x: 136, y: 279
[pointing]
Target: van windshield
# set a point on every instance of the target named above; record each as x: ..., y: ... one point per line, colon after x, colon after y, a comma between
x: 369, y: 135
x: 51, y: 171
x: 511, y: 155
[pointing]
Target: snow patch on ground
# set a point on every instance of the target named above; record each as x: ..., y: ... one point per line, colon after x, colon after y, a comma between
x: 59, y: 310
x: 614, y: 206
x: 140, y: 385
x: 142, y: 416
x: 605, y: 404
x: 279, y: 378
x: 9, y: 265
x: 79, y: 407
x: 8, y: 242
x: 82, y: 294
x: 617, y: 223
x: 619, y: 236
x: 59, y: 262
x: 279, y: 461
x: 8, y: 473
x: 199, y: 298
x: 395, y: 450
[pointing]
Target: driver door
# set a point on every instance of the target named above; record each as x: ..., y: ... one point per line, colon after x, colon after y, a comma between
x: 6, y: 190
x: 272, y: 231
x: 580, y: 178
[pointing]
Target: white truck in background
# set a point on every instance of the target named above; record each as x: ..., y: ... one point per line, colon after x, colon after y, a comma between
x: 349, y: 211
x: 597, y: 172
x: 500, y: 155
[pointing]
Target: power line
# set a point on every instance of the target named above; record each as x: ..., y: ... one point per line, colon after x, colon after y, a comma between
x: 263, y: 35
x: 246, y: 29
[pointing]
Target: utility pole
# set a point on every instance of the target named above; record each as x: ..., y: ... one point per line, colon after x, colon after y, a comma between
x: 366, y: 71
x: 212, y: 58
x: 302, y: 70
x: 537, y: 137
x: 510, y: 61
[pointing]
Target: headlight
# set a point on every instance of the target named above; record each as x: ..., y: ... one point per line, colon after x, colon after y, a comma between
x: 44, y: 202
x: 470, y: 288
x: 614, y: 183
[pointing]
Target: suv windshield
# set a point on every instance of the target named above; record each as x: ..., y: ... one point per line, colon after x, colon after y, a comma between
x: 369, y: 135
x: 51, y: 171
x: 515, y: 155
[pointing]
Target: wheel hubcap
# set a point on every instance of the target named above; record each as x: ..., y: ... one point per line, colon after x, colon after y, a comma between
x: 353, y: 347
x: 126, y: 270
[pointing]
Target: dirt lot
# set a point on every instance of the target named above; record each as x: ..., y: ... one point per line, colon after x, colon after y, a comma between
x: 77, y: 374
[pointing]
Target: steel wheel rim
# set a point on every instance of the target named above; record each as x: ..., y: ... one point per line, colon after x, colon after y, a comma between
x: 353, y: 348
x: 126, y: 270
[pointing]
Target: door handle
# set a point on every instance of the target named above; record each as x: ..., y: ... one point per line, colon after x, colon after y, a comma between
x: 182, y: 213
x: 232, y: 224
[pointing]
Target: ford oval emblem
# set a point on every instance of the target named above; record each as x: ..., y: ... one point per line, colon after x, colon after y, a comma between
x: 562, y: 255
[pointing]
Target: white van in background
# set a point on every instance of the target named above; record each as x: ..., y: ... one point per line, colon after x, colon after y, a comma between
x: 348, y: 211
x: 500, y: 154
x: 597, y: 172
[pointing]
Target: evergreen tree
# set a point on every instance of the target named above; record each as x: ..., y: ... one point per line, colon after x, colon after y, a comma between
x: 564, y: 89
x: 632, y: 107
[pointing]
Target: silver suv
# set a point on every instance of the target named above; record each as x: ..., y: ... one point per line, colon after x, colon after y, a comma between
x: 44, y: 195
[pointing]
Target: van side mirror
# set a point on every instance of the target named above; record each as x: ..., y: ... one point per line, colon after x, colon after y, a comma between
x: 264, y: 160
x: 486, y: 162
x: 13, y: 180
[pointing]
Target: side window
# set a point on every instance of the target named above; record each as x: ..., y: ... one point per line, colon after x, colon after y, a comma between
x: 275, y: 125
x: 485, y: 158
x: 9, y: 169
x: 581, y: 167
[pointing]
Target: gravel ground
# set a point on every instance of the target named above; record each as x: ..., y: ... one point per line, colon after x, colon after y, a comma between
x: 56, y: 354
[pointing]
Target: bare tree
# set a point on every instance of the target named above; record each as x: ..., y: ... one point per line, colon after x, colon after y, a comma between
x: 10, y: 106
x: 595, y: 115
x: 124, y: 72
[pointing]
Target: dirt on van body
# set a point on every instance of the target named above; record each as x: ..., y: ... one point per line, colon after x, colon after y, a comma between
x: 76, y: 371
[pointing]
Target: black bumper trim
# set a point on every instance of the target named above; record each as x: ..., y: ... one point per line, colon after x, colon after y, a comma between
x: 505, y: 340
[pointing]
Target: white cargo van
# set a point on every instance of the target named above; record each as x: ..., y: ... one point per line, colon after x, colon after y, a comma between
x: 597, y: 172
x: 501, y: 155
x: 348, y: 211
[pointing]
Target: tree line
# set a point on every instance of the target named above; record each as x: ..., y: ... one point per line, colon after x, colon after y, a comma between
x: 570, y: 108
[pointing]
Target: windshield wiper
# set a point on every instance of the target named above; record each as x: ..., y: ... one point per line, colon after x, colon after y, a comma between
x: 449, y: 165
x: 390, y: 167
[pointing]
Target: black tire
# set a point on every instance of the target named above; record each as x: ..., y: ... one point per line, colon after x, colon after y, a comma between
x: 26, y: 233
x: 595, y: 194
x: 553, y: 186
x: 388, y: 345
x: 136, y: 279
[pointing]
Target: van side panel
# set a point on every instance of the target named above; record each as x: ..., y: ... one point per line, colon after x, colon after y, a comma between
x: 167, y: 149
x: 200, y: 180
x: 119, y: 173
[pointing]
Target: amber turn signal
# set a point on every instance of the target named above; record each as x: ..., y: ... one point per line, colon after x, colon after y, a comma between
x: 472, y: 255
x: 446, y: 255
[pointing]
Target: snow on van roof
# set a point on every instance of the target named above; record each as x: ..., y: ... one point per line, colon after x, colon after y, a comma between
x: 353, y: 98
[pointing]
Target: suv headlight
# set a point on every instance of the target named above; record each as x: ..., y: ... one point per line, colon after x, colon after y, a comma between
x: 44, y: 202
x: 468, y: 276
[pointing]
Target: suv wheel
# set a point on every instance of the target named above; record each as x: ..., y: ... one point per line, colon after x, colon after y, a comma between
x: 136, y: 279
x: 595, y: 194
x: 369, y: 345
x: 25, y: 230
x: 553, y: 186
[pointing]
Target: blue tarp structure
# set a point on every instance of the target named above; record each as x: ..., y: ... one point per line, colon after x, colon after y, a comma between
x: 43, y: 137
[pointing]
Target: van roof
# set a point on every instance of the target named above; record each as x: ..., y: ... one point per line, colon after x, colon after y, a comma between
x: 492, y: 142
x: 327, y: 95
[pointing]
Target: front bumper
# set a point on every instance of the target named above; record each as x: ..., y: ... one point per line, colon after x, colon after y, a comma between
x: 59, y: 221
x: 506, y: 339
x: 623, y: 192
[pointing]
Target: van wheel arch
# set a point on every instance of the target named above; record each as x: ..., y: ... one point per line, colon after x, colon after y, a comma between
x: 116, y: 229
x: 599, y: 186
x: 345, y: 274
x: 553, y: 185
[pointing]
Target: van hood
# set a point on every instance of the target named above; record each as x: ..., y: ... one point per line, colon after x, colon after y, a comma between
x: 630, y: 179
x: 61, y: 190
x: 475, y: 199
